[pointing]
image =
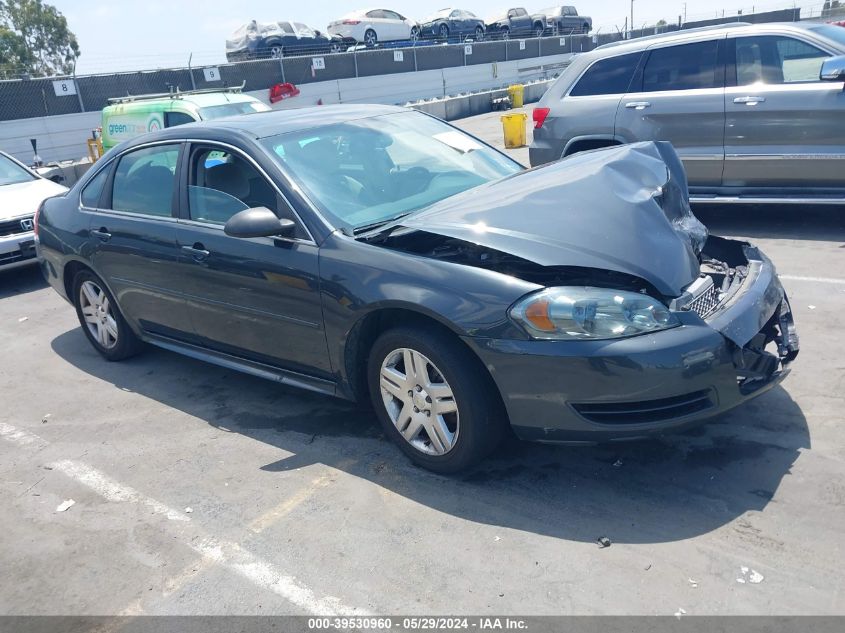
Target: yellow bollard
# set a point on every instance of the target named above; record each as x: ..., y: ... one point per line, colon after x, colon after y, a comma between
x: 517, y: 95
x: 513, y: 126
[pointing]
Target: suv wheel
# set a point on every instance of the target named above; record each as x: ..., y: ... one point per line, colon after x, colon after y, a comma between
x: 432, y: 400
x: 101, y: 319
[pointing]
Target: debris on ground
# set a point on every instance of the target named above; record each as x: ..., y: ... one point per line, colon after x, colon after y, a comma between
x: 693, y: 583
x: 46, y: 418
x: 617, y: 463
x: 812, y: 307
x: 648, y: 567
x: 64, y: 505
x: 497, y: 538
x: 680, y: 612
x: 22, y: 319
x: 603, y: 542
x: 188, y: 510
x: 748, y: 575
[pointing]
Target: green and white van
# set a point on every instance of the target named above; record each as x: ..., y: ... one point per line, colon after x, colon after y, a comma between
x: 127, y: 117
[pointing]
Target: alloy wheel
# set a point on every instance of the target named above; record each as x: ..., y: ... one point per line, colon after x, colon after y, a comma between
x: 419, y: 401
x: 97, y: 312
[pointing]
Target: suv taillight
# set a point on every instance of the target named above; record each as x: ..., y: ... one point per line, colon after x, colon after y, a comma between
x: 539, y: 115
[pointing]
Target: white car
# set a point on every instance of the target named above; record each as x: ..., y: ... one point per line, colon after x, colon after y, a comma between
x: 21, y: 192
x: 371, y: 26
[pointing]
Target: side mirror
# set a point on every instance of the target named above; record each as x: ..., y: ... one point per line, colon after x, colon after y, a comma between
x: 258, y: 222
x: 833, y: 69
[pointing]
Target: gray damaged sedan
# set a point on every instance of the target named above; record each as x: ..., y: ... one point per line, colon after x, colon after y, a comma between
x: 381, y: 255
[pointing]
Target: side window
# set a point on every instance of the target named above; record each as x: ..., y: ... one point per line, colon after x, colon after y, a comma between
x: 145, y: 179
x: 684, y: 67
x: 455, y: 14
x: 609, y: 76
x: 94, y: 189
x: 512, y: 13
x: 177, y: 118
x: 222, y: 184
x: 377, y: 13
x: 391, y: 15
x: 286, y: 27
x: 772, y: 59
x: 520, y: 13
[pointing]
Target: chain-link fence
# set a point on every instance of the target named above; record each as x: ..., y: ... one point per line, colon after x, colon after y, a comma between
x: 25, y: 97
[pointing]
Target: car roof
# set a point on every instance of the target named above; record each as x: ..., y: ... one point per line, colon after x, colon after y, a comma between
x: 263, y: 124
x: 641, y: 43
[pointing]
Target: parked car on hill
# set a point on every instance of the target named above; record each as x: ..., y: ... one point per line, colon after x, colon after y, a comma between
x: 21, y: 191
x: 565, y: 19
x: 370, y: 26
x: 754, y: 111
x: 279, y: 39
x: 448, y: 23
x: 379, y: 254
x: 515, y: 23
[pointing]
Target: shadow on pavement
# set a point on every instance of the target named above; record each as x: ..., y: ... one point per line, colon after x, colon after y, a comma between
x: 661, y: 490
x: 805, y: 222
x: 19, y: 281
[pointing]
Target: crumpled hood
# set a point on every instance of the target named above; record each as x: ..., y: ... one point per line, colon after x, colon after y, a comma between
x: 23, y: 198
x: 623, y: 208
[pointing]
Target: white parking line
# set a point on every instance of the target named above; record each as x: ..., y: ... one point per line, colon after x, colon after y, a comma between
x: 229, y: 555
x: 110, y: 490
x: 821, y: 280
x: 18, y: 436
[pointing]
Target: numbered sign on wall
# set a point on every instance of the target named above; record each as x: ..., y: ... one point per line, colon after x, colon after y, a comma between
x: 563, y: 41
x: 318, y: 63
x: 468, y: 49
x: 64, y: 87
x: 522, y: 45
x: 398, y: 56
x: 211, y: 74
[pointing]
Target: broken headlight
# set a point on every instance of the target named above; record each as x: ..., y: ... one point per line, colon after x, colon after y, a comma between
x: 590, y: 313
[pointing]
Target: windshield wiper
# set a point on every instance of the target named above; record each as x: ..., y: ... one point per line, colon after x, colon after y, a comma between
x: 367, y: 229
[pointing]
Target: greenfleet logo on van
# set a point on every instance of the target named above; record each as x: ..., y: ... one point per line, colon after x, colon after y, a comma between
x: 125, y: 127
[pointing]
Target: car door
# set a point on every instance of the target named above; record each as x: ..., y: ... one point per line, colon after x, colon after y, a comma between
x: 397, y: 26
x: 677, y: 95
x: 783, y: 124
x: 256, y: 298
x: 133, y: 231
x: 521, y: 22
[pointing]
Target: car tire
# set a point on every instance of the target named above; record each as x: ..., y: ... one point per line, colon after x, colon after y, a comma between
x: 538, y: 30
x: 479, y: 34
x: 276, y: 51
x: 506, y: 34
x: 447, y: 379
x: 443, y: 32
x: 370, y: 38
x: 415, y: 33
x: 101, y: 319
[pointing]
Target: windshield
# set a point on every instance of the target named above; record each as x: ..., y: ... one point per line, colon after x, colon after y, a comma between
x: 831, y: 32
x: 303, y: 29
x: 11, y: 173
x: 443, y: 13
x: 369, y: 171
x: 231, y: 109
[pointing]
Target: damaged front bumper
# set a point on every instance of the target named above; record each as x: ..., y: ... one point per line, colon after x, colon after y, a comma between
x: 576, y: 391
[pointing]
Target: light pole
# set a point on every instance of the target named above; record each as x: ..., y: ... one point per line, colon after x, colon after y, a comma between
x: 632, y: 18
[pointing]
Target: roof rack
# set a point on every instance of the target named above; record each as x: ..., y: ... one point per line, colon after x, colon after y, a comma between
x: 175, y: 94
x: 699, y: 29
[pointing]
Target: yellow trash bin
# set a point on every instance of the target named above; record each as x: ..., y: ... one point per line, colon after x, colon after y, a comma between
x: 517, y: 94
x: 513, y: 125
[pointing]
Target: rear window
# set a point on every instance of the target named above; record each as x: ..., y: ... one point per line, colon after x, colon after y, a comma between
x: 607, y: 76
x: 684, y: 67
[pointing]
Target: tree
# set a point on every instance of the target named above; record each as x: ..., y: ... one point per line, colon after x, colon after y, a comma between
x: 35, y: 39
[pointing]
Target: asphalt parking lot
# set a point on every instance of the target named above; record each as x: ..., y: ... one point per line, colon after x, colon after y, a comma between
x: 202, y: 491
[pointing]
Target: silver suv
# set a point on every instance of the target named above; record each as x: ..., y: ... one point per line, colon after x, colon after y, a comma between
x: 756, y: 112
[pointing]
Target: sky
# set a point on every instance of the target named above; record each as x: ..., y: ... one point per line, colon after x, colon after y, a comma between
x: 119, y: 35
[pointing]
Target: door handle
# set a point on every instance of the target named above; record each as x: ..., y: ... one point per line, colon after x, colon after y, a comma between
x: 750, y: 100
x: 101, y: 234
x: 638, y: 105
x: 197, y: 251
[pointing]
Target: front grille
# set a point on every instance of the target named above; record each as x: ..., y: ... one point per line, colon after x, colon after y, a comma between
x: 646, y: 411
x: 705, y: 303
x: 13, y: 227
